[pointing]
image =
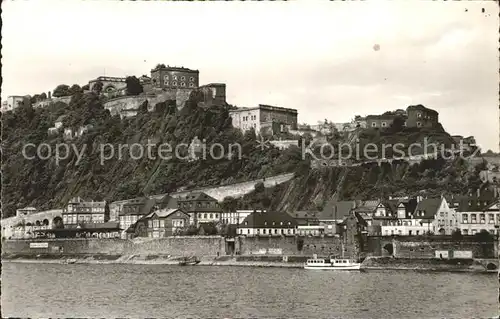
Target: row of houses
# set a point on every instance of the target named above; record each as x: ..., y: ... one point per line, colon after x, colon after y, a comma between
x: 168, y: 216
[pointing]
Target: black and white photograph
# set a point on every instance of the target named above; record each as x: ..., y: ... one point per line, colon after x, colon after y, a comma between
x: 250, y: 159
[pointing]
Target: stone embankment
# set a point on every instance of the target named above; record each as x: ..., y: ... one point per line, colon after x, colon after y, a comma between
x: 424, y: 264
x: 369, y: 264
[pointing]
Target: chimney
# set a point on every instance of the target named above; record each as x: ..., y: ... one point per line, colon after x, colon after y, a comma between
x: 49, y: 95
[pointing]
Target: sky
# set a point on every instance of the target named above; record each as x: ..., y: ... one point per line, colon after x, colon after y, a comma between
x: 319, y: 57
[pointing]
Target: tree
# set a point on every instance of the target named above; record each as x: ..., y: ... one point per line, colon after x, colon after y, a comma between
x: 456, y: 234
x: 134, y: 86
x: 300, y: 244
x: 43, y: 96
x: 75, y: 88
x: 57, y: 223
x: 61, y: 90
x: 97, y: 88
x: 398, y: 124
x: 484, y: 236
x: 259, y: 187
x: 229, y: 204
x: 160, y: 66
x: 265, y: 202
x: 85, y: 87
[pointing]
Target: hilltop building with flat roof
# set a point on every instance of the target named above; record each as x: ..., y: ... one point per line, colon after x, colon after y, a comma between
x: 264, y: 118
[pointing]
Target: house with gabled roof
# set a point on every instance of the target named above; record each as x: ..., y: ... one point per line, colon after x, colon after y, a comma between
x: 439, y: 217
x: 406, y: 221
x: 273, y: 223
x: 161, y: 223
x: 201, y: 207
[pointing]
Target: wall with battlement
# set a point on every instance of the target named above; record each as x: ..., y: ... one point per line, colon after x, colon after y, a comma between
x: 44, y: 103
x: 179, y: 246
x: 323, y: 246
x: 75, y: 246
x: 420, y: 247
x: 176, y: 246
x: 120, y: 104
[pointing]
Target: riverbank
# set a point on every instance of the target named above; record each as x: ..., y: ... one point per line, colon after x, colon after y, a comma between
x: 369, y: 264
x: 429, y: 264
x: 242, y: 261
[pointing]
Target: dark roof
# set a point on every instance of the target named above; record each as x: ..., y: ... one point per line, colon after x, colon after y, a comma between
x: 268, y: 220
x: 305, y: 214
x: 306, y: 217
x: 167, y: 201
x: 410, y: 206
x: 472, y: 203
x: 144, y: 206
x: 193, y: 196
x: 336, y: 210
x: 148, y: 206
x: 391, y: 206
x: 429, y: 206
x: 175, y: 68
x: 164, y: 213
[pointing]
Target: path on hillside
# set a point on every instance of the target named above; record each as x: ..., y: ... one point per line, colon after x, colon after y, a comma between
x: 235, y: 190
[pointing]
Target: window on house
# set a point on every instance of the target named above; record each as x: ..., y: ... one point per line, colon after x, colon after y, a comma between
x: 162, y: 223
x: 191, y: 85
x: 191, y: 79
x: 263, y: 231
x: 419, y: 124
x: 491, y: 218
x: 216, y: 216
x: 275, y: 231
x: 183, y: 84
x: 384, y: 124
x: 374, y: 124
x: 419, y: 115
x: 473, y: 218
x: 156, y: 223
x: 165, y: 78
x: 211, y: 216
x: 482, y: 218
x: 174, y: 83
x: 183, y: 78
x: 175, y: 77
x: 150, y: 223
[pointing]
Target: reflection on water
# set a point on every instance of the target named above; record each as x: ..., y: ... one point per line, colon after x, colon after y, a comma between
x: 52, y: 290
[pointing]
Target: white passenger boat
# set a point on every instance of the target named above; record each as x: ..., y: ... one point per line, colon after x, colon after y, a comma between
x: 331, y: 264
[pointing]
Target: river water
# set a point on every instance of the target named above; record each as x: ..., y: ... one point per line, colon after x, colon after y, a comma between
x: 160, y: 291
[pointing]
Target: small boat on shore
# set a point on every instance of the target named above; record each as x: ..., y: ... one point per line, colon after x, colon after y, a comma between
x: 189, y: 262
